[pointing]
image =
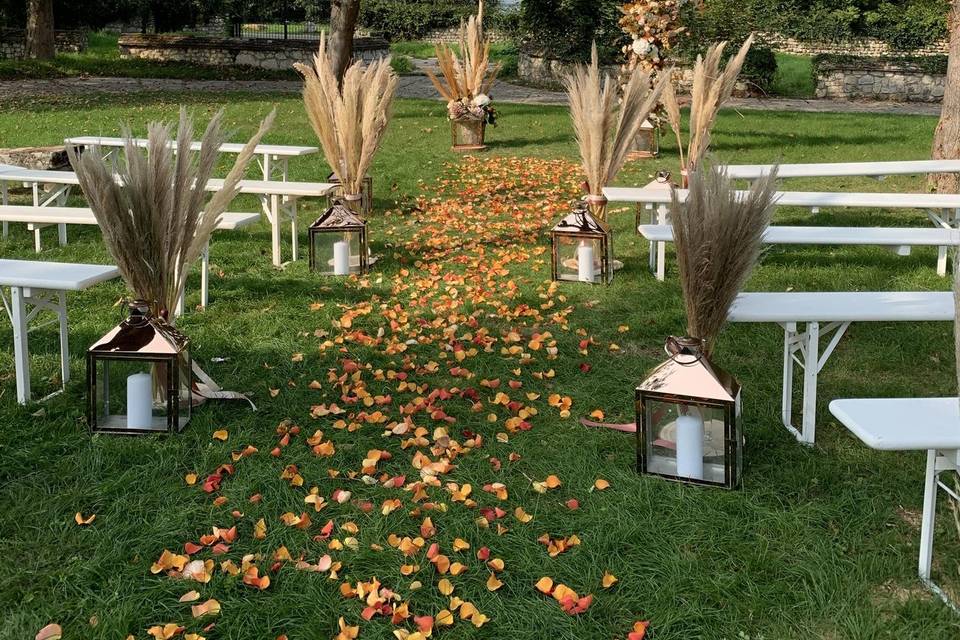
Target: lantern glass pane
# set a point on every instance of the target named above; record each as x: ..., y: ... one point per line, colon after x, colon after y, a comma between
x: 572, y: 250
x: 685, y: 441
x: 132, y: 395
x: 336, y: 252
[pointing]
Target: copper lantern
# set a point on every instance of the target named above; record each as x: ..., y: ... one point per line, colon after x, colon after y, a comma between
x: 338, y: 242
x: 366, y: 193
x: 688, y: 419
x: 582, y: 248
x: 138, y: 377
x: 647, y: 142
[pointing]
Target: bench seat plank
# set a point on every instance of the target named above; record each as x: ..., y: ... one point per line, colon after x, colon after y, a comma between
x: 804, y: 198
x: 855, y: 306
x: 57, y: 276
x: 844, y: 169
x: 881, y: 236
x: 84, y: 215
x: 891, y: 424
x: 226, y: 147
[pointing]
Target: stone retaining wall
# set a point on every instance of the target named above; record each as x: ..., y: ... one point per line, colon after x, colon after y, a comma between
x: 879, y: 81
x: 865, y: 47
x: 451, y: 35
x: 265, y: 54
x: 547, y: 72
x: 13, y: 43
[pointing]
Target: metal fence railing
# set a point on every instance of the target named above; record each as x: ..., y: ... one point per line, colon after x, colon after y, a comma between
x: 282, y: 20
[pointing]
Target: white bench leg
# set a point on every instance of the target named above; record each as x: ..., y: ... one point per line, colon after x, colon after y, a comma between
x: 292, y: 212
x: 64, y: 338
x: 21, y: 346
x: 929, y: 517
x: 808, y: 425
x: 803, y: 348
x: 36, y: 237
x: 275, y: 228
x: 284, y: 165
x: 4, y: 196
x: 205, y: 275
x: 662, y: 218
x: 267, y: 168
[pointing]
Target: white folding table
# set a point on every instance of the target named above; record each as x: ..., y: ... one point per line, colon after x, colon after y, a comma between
x: 43, y: 286
x: 270, y: 155
x: 942, y: 209
x: 82, y: 215
x: 277, y: 198
x: 824, y: 313
x: 912, y: 424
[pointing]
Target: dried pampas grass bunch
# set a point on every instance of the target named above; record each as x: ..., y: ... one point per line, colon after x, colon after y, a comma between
x: 606, y: 124
x: 472, y: 76
x: 712, y: 87
x: 717, y: 233
x: 154, y: 212
x: 349, y: 120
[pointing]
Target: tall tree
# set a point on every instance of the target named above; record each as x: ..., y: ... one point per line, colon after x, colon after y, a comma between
x: 343, y: 22
x: 40, y: 42
x: 946, y: 140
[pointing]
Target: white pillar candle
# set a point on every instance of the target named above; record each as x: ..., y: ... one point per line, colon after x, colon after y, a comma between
x: 585, y: 262
x: 341, y: 258
x: 690, y: 445
x: 139, y: 401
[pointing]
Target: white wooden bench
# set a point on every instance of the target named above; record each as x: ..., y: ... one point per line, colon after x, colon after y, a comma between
x: 824, y: 313
x: 43, y: 286
x: 942, y: 210
x: 82, y: 215
x: 269, y: 155
x: 855, y: 236
x: 913, y: 424
x: 843, y: 169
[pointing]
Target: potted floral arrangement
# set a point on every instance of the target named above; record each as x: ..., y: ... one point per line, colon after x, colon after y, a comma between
x: 465, y: 85
x: 652, y: 26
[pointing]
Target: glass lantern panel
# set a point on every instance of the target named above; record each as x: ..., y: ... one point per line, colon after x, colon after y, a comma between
x: 132, y: 395
x: 646, y: 142
x: 337, y: 253
x: 579, y: 259
x: 685, y: 441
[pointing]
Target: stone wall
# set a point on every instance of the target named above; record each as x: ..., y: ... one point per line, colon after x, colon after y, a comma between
x: 879, y: 80
x: 547, y: 72
x: 13, y: 43
x: 265, y: 54
x: 451, y: 35
x: 866, y: 47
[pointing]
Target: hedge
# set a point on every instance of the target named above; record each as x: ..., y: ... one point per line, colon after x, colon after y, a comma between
x: 412, y: 19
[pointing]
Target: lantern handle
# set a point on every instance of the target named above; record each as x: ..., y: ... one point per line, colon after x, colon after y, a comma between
x: 676, y: 346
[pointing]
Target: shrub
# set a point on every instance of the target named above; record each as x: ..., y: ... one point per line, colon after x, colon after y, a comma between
x: 908, y: 26
x: 401, y: 64
x: 565, y: 29
x: 411, y: 20
x: 759, y: 68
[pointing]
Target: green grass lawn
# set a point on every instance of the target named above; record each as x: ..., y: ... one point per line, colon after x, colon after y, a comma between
x: 794, y: 77
x: 819, y: 543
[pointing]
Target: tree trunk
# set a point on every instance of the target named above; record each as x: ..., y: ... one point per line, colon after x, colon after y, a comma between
x: 946, y: 140
x: 40, y: 42
x: 343, y: 22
